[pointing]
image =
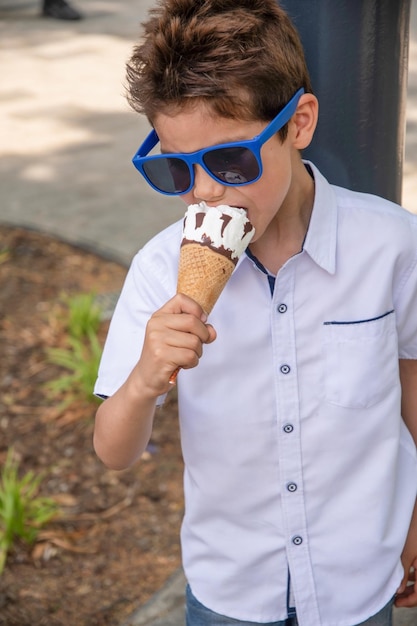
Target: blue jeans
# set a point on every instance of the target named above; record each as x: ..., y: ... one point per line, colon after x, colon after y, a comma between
x: 199, y: 615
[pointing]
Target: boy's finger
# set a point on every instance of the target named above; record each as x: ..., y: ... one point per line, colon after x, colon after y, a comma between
x: 181, y: 303
x: 211, y: 333
x: 408, y: 598
x: 183, y: 323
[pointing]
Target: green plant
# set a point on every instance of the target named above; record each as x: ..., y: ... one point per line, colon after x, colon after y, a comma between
x: 22, y: 511
x: 82, y: 360
x: 4, y: 255
x: 84, y: 315
x: 82, y: 357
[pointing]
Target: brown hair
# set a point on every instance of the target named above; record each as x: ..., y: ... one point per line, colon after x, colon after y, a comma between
x: 243, y: 58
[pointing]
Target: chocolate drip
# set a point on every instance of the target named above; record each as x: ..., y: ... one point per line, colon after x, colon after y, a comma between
x: 206, y: 241
x: 225, y: 219
x: 199, y: 219
x: 247, y: 229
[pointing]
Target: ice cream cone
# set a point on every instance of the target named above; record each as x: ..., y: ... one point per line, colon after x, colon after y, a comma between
x: 202, y: 274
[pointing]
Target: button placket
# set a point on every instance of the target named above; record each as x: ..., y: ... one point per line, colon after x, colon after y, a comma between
x: 288, y: 414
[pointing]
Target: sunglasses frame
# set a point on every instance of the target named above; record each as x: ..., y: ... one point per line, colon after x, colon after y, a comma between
x: 196, y: 158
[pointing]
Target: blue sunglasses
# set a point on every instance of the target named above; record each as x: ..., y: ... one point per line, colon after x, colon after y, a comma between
x: 231, y: 164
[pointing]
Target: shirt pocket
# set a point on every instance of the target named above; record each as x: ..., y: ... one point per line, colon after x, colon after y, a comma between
x: 361, y: 361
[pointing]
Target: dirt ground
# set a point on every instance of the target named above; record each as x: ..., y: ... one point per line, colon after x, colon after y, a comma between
x: 116, y: 540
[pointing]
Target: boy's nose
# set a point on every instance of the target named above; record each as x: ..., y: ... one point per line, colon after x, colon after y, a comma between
x: 206, y: 187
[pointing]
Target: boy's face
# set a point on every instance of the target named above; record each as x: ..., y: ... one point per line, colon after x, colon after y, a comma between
x: 196, y: 128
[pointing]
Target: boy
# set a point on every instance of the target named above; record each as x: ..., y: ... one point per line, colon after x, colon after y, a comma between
x: 297, y: 422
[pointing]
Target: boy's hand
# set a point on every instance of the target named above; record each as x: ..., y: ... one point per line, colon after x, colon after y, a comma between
x: 174, y: 338
x: 407, y: 592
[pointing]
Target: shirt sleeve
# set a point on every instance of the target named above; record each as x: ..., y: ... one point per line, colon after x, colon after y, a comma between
x: 149, y: 284
x: 406, y: 301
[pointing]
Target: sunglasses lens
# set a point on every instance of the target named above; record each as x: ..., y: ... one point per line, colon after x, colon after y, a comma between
x: 170, y: 175
x: 235, y: 166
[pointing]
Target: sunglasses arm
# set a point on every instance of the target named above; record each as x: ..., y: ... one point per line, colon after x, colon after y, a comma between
x: 282, y: 118
x: 150, y: 142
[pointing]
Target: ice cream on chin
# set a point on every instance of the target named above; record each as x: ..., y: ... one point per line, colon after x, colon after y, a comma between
x: 213, y: 240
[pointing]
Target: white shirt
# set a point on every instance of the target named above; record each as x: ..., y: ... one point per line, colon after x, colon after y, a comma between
x: 298, y: 466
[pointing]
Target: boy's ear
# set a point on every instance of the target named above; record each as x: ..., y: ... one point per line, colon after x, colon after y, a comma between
x: 304, y: 121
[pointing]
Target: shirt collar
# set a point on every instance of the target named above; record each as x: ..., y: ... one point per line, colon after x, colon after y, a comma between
x: 320, y: 241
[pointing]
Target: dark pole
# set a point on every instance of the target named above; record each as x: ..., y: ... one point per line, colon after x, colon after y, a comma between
x: 357, y: 54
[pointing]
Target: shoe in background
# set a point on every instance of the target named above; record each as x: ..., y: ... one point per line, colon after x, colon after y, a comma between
x: 60, y: 10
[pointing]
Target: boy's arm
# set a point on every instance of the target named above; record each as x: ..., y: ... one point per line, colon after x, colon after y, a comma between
x: 407, y: 595
x: 174, y: 338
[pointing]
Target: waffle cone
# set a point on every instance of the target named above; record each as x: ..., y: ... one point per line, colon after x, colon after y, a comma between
x: 202, y: 274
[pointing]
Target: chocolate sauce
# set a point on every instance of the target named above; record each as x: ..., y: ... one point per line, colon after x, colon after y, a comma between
x: 199, y: 219
x: 225, y: 219
x: 206, y: 241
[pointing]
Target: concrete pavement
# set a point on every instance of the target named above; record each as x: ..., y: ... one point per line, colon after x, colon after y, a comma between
x: 66, y: 140
x: 67, y: 135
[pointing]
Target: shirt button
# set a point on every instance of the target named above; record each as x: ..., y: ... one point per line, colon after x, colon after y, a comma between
x: 292, y: 487
x: 282, y: 308
x: 288, y: 428
x: 285, y: 369
x: 297, y: 540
